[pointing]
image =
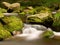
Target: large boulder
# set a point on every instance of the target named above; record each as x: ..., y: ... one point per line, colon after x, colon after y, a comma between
x: 44, y: 17
x: 12, y: 23
x: 15, y: 7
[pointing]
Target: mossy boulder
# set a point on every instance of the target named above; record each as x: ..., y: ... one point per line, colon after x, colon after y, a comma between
x: 44, y: 17
x: 48, y: 34
x: 56, y: 23
x: 4, y: 34
x: 15, y: 7
x: 12, y: 23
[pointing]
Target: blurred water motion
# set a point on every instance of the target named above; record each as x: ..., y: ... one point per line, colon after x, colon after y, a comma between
x: 22, y: 41
x: 35, y: 42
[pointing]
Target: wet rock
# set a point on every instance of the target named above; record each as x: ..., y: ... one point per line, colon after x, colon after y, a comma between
x: 16, y: 32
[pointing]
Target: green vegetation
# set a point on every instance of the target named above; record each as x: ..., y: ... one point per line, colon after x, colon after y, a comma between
x: 30, y: 11
x: 43, y: 17
x: 48, y: 34
x: 56, y: 23
x: 13, y: 23
x: 4, y: 33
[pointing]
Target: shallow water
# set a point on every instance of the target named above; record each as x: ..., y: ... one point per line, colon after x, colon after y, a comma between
x: 21, y: 41
x: 35, y: 42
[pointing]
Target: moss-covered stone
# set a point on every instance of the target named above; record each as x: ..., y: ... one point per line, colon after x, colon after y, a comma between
x: 1, y: 15
x: 4, y: 33
x: 44, y: 17
x: 56, y: 23
x: 13, y: 23
x: 48, y: 34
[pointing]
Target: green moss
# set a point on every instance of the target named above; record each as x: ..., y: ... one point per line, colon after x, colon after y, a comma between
x: 13, y: 23
x: 1, y: 15
x: 35, y: 19
x: 3, y: 10
x: 48, y: 34
x: 56, y: 23
x: 4, y: 33
x: 44, y: 17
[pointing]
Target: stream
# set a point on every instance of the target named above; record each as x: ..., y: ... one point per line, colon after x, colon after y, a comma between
x: 22, y: 40
x: 36, y: 42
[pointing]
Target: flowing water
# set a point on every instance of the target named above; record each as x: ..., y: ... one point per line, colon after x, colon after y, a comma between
x: 22, y: 41
x: 35, y: 42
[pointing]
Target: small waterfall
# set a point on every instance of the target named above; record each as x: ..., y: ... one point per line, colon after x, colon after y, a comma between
x: 32, y: 32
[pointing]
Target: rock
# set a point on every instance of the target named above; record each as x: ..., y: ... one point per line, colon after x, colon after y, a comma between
x: 4, y: 33
x: 44, y: 18
x: 6, y: 4
x: 16, y: 32
x: 48, y: 33
x: 56, y: 22
x: 15, y: 7
x: 12, y: 23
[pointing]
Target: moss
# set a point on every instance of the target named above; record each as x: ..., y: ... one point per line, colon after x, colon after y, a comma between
x: 44, y: 18
x: 56, y: 23
x: 4, y: 33
x: 1, y: 15
x: 47, y: 34
x: 3, y: 10
x: 13, y: 23
x: 34, y: 19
